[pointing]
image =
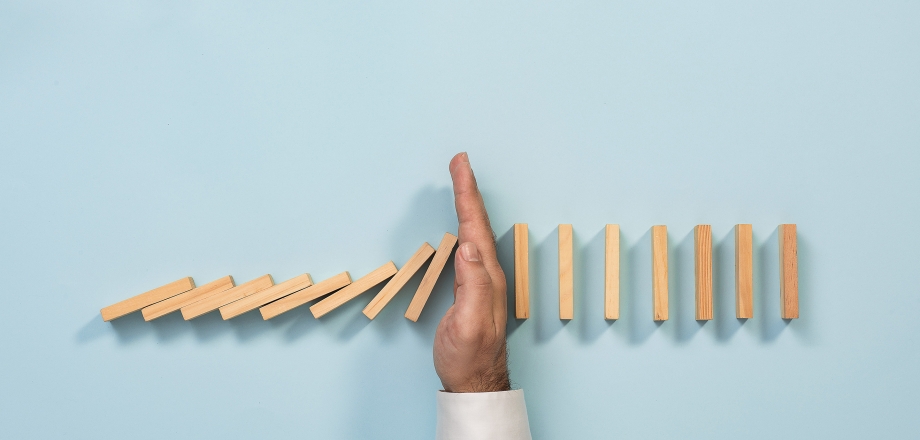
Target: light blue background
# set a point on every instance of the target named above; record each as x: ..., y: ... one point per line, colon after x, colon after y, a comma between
x: 146, y: 141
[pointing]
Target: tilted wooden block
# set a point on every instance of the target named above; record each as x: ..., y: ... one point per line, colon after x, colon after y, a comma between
x: 175, y: 303
x: 566, y: 280
x: 215, y: 301
x: 266, y: 296
x: 788, y: 272
x: 311, y: 293
x: 612, y: 272
x: 431, y: 276
x: 521, y: 272
x: 744, y: 271
x: 145, y: 299
x: 399, y: 280
x: 354, y: 289
x: 660, y: 273
x: 702, y: 250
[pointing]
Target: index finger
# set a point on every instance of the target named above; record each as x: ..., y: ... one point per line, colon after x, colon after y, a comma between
x: 471, y: 211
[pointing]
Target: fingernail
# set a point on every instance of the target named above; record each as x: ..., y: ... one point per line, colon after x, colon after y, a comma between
x: 469, y: 252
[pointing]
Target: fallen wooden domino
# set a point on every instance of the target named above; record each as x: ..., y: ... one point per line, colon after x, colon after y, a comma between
x: 311, y: 293
x: 398, y: 281
x: 744, y: 272
x: 660, y: 273
x: 216, y: 300
x: 788, y: 272
x: 145, y: 299
x: 448, y: 242
x: 354, y: 289
x: 566, y: 279
x: 175, y: 303
x: 702, y: 252
x: 266, y: 296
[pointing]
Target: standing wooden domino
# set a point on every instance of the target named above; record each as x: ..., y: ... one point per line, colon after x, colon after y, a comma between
x: 660, y: 273
x: 744, y: 271
x: 702, y: 250
x: 788, y: 272
x: 399, y: 280
x: 431, y: 276
x: 354, y: 289
x: 145, y: 299
x: 175, y: 303
x: 266, y: 296
x: 311, y: 293
x: 612, y: 272
x: 566, y: 279
x: 521, y: 272
x: 215, y: 301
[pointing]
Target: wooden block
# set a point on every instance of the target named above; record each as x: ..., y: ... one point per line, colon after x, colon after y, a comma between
x: 145, y: 299
x: 744, y: 271
x: 788, y: 272
x: 399, y: 280
x: 660, y: 273
x: 431, y: 276
x: 311, y: 293
x: 566, y: 281
x: 702, y: 251
x: 258, y: 299
x: 175, y: 303
x: 612, y: 272
x: 352, y: 290
x: 521, y: 272
x: 213, y: 302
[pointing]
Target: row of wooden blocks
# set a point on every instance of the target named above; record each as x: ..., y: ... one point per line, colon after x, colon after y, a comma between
x: 274, y: 299
x: 744, y: 272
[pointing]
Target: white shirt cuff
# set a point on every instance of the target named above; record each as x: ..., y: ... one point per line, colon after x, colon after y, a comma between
x: 467, y: 416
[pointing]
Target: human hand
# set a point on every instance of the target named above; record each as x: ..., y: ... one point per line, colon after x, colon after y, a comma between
x: 470, y: 350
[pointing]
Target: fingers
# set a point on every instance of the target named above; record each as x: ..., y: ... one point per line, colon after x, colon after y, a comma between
x: 471, y: 211
x: 474, y: 294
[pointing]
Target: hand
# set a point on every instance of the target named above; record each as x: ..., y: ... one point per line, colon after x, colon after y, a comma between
x: 470, y: 351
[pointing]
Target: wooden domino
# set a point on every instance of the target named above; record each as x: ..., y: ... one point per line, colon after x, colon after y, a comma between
x: 566, y: 279
x: 399, y: 280
x: 702, y: 251
x: 660, y: 273
x: 311, y: 293
x: 354, y: 289
x: 215, y: 301
x: 258, y: 299
x: 521, y: 272
x: 788, y: 272
x: 612, y: 272
x: 744, y: 271
x: 448, y: 242
x: 145, y: 299
x: 175, y: 303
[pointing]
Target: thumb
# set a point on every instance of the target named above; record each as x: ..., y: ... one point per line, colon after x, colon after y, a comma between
x: 473, y: 295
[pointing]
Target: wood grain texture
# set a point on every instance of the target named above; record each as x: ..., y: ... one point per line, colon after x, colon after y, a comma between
x: 702, y: 251
x: 744, y: 271
x: 788, y: 272
x: 448, y: 242
x: 399, y: 280
x: 354, y: 289
x: 215, y: 301
x: 566, y: 279
x: 259, y: 299
x: 612, y: 272
x: 311, y: 293
x: 147, y: 298
x: 175, y: 303
x: 521, y: 272
x: 660, y: 273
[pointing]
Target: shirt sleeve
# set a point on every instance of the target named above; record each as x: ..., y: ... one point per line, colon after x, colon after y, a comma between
x: 482, y: 416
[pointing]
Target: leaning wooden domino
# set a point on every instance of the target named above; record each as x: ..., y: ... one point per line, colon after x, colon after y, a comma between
x: 566, y: 280
x: 744, y: 272
x: 215, y: 301
x: 266, y: 296
x: 145, y: 299
x: 702, y: 251
x: 354, y: 289
x: 660, y: 273
x: 788, y: 272
x: 311, y: 293
x: 431, y: 276
x: 612, y: 272
x: 399, y: 280
x: 175, y: 303
x: 521, y: 272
